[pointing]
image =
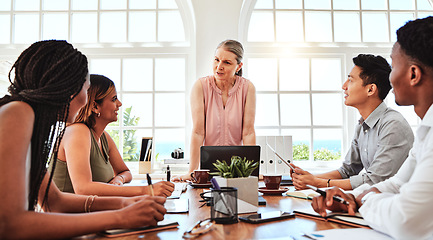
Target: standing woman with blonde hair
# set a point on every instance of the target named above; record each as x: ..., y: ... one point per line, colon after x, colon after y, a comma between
x: 88, y: 160
x: 223, y: 105
x: 49, y: 87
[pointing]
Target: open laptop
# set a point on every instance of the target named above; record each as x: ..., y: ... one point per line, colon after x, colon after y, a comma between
x: 209, y: 155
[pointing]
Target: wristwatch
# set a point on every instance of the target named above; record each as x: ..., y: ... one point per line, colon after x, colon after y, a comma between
x: 366, y: 196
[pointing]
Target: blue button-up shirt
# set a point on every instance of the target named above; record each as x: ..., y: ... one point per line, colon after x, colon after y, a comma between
x: 380, y: 145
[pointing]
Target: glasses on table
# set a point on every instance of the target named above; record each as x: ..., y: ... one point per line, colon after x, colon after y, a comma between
x: 200, y: 228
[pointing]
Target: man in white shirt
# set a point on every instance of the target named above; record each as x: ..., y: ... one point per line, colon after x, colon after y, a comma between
x: 402, y: 205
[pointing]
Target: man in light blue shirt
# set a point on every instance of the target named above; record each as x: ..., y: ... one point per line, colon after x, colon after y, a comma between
x: 382, y: 138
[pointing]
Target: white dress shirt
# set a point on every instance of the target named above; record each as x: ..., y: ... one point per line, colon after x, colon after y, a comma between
x: 404, y: 209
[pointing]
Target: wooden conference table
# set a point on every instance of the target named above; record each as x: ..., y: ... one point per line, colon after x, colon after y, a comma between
x: 276, y: 229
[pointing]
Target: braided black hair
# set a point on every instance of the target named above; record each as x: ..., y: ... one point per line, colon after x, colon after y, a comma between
x: 374, y: 69
x: 416, y: 40
x: 47, y: 76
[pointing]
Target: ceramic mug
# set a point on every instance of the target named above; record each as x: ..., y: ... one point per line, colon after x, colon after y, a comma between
x: 272, y: 181
x: 200, y: 176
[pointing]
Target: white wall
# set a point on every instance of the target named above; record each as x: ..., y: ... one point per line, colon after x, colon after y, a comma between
x: 216, y: 21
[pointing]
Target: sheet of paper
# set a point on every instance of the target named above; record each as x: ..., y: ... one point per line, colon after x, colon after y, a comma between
x: 350, y: 233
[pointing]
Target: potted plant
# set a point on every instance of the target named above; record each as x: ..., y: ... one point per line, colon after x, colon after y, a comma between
x: 237, y: 175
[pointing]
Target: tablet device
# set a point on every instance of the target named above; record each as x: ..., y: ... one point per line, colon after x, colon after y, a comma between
x: 165, y: 224
x: 266, y: 217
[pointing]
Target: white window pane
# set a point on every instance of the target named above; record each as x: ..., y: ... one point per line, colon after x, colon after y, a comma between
x: 132, y: 144
x: 141, y: 107
x: 327, y: 109
x: 113, y: 27
x: 84, y: 28
x: 295, y: 109
x: 401, y: 5
x: 398, y: 20
x: 169, y: 109
x: 5, y: 5
x: 55, y: 4
x: 326, y: 74
x: 113, y: 4
x: 167, y: 4
x: 55, y: 26
x: 267, y: 110
x: 107, y: 67
x: 267, y: 132
x: 407, y: 111
x: 170, y: 80
x: 292, y: 4
x: 294, y: 74
x: 298, y: 135
x: 142, y: 27
x: 317, y: 4
x: 374, y: 4
x: 347, y: 27
x: 140, y: 4
x: 170, y: 26
x: 26, y: 5
x: 375, y: 27
x: 84, y: 4
x: 346, y: 4
x: 318, y: 27
x: 261, y: 28
x: 264, y: 4
x: 263, y: 80
x: 166, y: 140
x: 424, y: 15
x: 5, y: 24
x: 300, y: 140
x: 26, y: 28
x: 327, y: 139
x: 424, y: 5
x: 289, y: 27
x: 137, y: 74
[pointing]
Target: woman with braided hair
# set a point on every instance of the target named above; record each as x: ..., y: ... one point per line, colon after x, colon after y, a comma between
x: 49, y: 87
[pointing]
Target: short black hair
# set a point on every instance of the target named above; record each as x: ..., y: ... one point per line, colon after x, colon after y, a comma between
x: 416, y: 40
x: 374, y: 69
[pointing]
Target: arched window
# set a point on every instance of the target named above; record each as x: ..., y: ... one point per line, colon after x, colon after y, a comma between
x: 143, y: 46
x: 299, y: 54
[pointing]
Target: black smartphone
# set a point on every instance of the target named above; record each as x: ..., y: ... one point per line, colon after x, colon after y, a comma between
x: 266, y: 217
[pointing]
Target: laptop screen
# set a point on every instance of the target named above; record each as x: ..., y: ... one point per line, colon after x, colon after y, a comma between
x: 209, y: 155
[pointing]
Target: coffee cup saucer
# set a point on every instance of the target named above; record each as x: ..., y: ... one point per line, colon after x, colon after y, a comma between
x: 279, y: 191
x: 201, y: 185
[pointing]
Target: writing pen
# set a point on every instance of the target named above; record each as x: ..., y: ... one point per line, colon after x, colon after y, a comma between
x: 149, y: 183
x: 223, y: 198
x: 323, y: 193
x: 168, y: 173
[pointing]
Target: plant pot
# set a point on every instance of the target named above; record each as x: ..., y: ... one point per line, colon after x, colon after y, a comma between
x: 248, y: 198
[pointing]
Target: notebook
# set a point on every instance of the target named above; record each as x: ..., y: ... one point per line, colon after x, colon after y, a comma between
x: 209, y: 155
x: 338, y: 217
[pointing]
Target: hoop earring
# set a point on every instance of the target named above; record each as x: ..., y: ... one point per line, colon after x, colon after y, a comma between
x: 98, y: 114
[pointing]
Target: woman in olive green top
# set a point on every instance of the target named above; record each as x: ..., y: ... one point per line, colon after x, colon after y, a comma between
x: 88, y: 160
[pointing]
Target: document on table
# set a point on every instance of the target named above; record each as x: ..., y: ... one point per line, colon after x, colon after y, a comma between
x: 350, y: 233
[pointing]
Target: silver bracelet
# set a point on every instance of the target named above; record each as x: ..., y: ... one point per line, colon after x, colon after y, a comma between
x: 123, y: 178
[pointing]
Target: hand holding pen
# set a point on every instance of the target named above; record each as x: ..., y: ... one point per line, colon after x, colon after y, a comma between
x: 323, y: 193
x: 149, y: 183
x: 333, y: 199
